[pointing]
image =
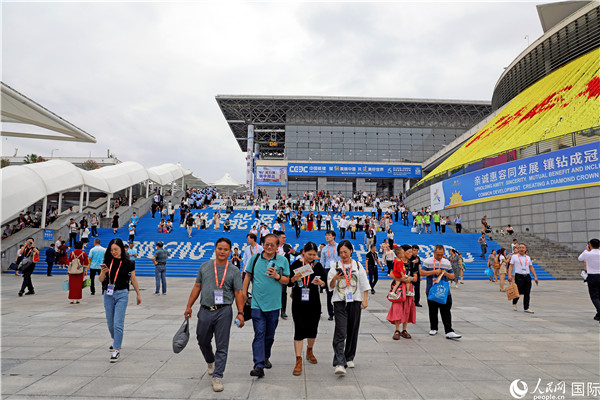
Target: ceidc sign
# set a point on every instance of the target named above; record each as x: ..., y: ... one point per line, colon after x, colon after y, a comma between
x: 355, y: 170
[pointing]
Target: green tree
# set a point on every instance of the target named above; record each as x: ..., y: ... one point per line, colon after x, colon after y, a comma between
x: 33, y: 158
x: 5, y: 163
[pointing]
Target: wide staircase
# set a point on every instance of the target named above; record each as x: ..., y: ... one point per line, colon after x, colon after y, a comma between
x: 187, y: 254
x: 560, y: 261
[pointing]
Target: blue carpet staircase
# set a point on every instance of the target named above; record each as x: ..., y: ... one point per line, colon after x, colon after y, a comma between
x: 187, y: 254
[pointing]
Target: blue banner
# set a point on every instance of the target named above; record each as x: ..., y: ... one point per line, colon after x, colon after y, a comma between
x: 355, y: 170
x: 568, y: 168
x: 48, y: 234
x: 271, y: 176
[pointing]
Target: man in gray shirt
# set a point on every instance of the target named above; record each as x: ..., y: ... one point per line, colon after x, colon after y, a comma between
x: 218, y: 284
x: 160, y: 268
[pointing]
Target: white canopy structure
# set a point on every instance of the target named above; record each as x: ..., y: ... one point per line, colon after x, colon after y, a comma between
x: 21, y: 110
x: 228, y: 184
x: 27, y: 184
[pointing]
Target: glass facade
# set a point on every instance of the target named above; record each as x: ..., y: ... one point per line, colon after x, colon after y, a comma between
x: 371, y: 144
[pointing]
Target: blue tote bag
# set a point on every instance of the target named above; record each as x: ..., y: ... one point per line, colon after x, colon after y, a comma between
x: 439, y: 292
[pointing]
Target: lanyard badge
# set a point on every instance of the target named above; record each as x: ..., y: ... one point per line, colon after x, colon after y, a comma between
x: 218, y: 293
x: 110, y: 289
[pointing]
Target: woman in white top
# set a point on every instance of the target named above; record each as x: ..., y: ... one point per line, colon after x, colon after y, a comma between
x: 501, y: 260
x: 390, y: 238
x: 350, y: 287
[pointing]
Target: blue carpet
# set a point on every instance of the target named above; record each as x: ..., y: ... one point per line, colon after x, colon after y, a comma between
x: 188, y: 253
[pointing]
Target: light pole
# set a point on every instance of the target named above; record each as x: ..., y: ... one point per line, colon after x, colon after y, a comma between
x: 52, y: 152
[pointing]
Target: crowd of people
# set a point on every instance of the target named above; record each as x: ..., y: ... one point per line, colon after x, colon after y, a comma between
x: 257, y: 279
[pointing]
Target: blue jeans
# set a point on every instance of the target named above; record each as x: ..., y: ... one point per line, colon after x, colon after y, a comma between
x: 115, y: 307
x: 420, y: 228
x: 264, y: 324
x: 160, y: 274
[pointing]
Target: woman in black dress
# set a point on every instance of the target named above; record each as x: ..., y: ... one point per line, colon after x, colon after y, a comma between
x: 306, y: 304
x: 115, y: 222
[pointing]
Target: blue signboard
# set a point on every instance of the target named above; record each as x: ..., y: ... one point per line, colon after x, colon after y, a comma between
x: 355, y: 170
x: 271, y: 176
x: 568, y: 168
x: 48, y: 234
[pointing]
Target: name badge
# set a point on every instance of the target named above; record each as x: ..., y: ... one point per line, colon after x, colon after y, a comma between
x: 218, y: 297
x: 349, y: 297
x: 305, y: 294
x: 110, y: 289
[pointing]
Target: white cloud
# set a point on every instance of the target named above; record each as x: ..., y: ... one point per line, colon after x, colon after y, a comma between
x: 142, y: 77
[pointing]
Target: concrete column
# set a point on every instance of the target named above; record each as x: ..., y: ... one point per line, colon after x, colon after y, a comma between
x: 398, y: 186
x: 147, y: 188
x: 130, y: 195
x: 59, y: 202
x: 87, y: 197
x: 161, y: 190
x: 108, y: 198
x: 183, y: 183
x: 249, y: 157
x: 44, y: 211
x: 322, y: 183
x: 81, y: 192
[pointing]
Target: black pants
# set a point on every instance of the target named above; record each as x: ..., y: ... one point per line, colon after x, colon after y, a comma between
x: 523, y: 282
x: 390, y: 266
x: 437, y: 226
x: 283, y: 298
x: 328, y: 225
x: 93, y: 273
x: 443, y: 228
x: 72, y: 239
x: 444, y: 311
x: 27, y: 280
x: 417, y: 286
x: 94, y: 230
x: 50, y: 264
x: 256, y: 214
x: 406, y: 221
x: 345, y: 335
x: 297, y: 231
x: 329, y: 296
x: 373, y: 277
x: 396, y: 217
x: 319, y: 225
x: 342, y: 233
x: 353, y: 234
x: 593, y: 281
x: 458, y: 228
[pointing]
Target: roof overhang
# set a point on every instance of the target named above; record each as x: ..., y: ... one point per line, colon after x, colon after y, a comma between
x: 21, y: 110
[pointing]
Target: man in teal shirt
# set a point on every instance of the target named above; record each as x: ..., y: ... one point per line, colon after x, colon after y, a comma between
x: 267, y: 272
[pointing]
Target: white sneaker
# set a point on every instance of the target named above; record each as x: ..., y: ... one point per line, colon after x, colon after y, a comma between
x: 350, y: 364
x: 529, y: 310
x: 217, y: 385
x: 340, y: 370
x: 514, y: 307
x: 114, y: 356
x: 210, y: 368
x: 433, y: 332
x: 453, y: 335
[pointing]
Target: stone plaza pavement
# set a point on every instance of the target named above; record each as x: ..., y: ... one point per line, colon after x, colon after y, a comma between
x: 54, y: 350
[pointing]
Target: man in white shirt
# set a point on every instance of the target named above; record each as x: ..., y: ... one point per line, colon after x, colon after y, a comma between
x: 431, y: 268
x: 520, y: 266
x: 329, y: 257
x: 591, y: 257
x: 250, y: 250
x: 343, y: 225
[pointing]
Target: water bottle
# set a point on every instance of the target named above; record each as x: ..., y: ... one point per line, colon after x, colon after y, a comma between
x: 237, y: 322
x: 271, y: 264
